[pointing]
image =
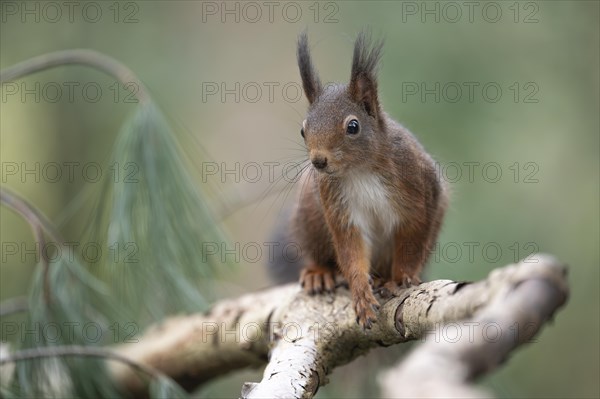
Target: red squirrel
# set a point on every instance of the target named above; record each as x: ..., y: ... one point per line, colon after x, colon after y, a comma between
x: 371, y: 203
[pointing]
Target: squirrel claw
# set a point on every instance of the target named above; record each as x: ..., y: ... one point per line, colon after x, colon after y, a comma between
x: 366, y: 307
x: 367, y: 324
x: 317, y: 280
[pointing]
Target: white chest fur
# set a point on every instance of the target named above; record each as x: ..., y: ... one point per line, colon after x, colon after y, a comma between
x: 370, y: 208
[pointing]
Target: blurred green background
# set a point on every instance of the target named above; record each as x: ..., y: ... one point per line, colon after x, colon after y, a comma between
x: 520, y: 149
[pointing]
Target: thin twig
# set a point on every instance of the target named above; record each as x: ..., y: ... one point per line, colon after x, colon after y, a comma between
x: 81, y: 351
x: 86, y: 57
x: 39, y: 224
x: 14, y: 305
x: 31, y: 214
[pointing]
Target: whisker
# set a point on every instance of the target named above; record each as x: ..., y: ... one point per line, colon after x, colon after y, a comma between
x: 289, y: 186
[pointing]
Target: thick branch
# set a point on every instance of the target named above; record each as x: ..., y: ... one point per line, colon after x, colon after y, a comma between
x: 193, y: 349
x: 456, y: 353
x: 309, y: 336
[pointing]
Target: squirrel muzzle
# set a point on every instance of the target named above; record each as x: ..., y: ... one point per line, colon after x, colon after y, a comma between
x: 319, y: 160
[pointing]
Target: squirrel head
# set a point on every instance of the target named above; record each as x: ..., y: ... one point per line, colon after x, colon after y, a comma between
x: 344, y: 124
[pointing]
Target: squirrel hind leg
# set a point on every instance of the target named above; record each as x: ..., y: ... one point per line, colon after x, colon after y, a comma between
x: 406, y: 280
x: 410, y: 255
x: 394, y: 288
x: 316, y: 279
x: 377, y: 282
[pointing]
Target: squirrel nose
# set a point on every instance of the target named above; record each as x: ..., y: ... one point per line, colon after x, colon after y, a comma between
x: 319, y: 162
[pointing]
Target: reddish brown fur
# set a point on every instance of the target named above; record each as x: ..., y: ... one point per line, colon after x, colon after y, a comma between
x: 382, y: 150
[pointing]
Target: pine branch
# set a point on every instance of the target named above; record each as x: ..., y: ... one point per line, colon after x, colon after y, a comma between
x: 132, y: 215
x: 305, y: 338
x: 86, y: 57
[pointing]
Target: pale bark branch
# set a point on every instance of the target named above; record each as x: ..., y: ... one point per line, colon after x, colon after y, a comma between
x: 454, y: 354
x: 305, y: 338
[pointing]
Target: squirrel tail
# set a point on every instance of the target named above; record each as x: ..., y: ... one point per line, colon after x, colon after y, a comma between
x: 285, y: 262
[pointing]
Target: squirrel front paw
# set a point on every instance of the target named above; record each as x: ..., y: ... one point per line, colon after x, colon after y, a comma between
x: 317, y: 279
x: 365, y: 306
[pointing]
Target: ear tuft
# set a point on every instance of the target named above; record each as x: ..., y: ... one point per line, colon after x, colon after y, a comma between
x: 310, y: 79
x: 363, y: 78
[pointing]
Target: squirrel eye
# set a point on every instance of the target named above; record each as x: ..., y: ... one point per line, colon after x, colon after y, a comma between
x: 302, y: 132
x: 353, y: 127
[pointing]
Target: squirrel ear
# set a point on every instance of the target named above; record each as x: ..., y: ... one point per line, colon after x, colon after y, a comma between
x: 310, y: 79
x: 363, y: 78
